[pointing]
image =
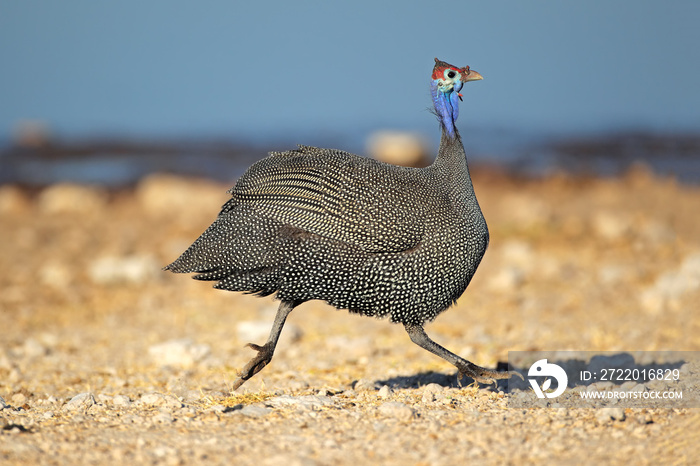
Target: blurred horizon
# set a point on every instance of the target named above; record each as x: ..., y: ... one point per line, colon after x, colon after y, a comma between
x: 326, y: 73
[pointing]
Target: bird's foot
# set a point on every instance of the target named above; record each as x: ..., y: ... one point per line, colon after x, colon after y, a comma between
x: 256, y: 364
x: 483, y: 375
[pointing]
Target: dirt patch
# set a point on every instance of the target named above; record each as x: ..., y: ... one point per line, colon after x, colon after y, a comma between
x: 106, y: 359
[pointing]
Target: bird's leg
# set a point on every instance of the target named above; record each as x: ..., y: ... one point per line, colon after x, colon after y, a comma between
x: 266, y: 351
x: 480, y: 374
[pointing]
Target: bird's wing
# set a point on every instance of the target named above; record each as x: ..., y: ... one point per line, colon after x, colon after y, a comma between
x: 335, y: 195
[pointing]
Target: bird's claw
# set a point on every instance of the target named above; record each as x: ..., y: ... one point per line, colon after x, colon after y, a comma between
x: 486, y: 376
x: 255, y: 365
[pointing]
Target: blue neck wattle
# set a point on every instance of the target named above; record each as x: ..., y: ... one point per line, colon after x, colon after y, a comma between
x: 446, y: 103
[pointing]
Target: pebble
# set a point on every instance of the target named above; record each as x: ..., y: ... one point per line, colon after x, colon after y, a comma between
x: 183, y: 353
x: 384, y: 392
x: 627, y: 386
x: 433, y: 388
x: 638, y: 388
x: 364, y: 385
x: 606, y: 414
x: 431, y: 392
x: 397, y: 410
x: 81, y: 401
x: 253, y: 411
x: 3, y: 404
x: 48, y: 415
x: 601, y: 386
x: 18, y: 399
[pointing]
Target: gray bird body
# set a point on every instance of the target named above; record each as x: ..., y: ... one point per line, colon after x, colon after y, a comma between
x: 374, y: 238
x: 377, y: 239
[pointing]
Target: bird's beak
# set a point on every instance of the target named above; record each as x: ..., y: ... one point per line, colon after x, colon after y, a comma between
x: 472, y: 76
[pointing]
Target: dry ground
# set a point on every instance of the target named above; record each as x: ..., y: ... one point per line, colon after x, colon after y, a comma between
x: 580, y: 264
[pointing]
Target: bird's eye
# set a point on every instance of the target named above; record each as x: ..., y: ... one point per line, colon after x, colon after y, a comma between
x: 451, y: 74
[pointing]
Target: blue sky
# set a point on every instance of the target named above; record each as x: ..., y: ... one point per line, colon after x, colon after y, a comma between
x: 276, y: 69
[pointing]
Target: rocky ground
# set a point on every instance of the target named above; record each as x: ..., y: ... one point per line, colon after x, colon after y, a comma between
x: 104, y: 359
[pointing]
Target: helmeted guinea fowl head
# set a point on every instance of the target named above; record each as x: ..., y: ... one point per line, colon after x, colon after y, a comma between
x: 447, y: 81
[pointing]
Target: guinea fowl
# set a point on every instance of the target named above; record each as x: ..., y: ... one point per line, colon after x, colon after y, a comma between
x: 376, y: 239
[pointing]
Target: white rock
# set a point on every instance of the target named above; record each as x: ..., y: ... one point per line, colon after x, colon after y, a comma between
x: 182, y: 353
x: 433, y: 388
x: 397, y: 410
x: 81, y: 401
x: 254, y: 411
x: 627, y: 386
x: 431, y: 392
x: 364, y: 385
x: 638, y: 388
x: 384, y: 392
x: 606, y: 414
x: 151, y: 399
